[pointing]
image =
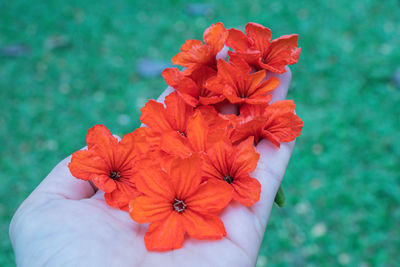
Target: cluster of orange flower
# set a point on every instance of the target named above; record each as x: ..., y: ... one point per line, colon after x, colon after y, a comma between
x: 191, y: 161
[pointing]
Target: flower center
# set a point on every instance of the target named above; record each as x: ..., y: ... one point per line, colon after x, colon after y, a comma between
x: 115, y: 175
x: 228, y: 179
x: 182, y: 133
x: 179, y: 205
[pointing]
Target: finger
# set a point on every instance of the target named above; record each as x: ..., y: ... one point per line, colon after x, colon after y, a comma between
x: 167, y: 91
x: 281, y: 91
x: 246, y: 226
x: 273, y: 161
x: 99, y: 195
x: 61, y: 183
x: 270, y: 170
x: 223, y: 54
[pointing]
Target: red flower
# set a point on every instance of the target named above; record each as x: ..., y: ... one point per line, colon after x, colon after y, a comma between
x: 276, y: 122
x: 191, y: 88
x: 107, y: 162
x: 176, y: 201
x: 173, y: 117
x: 239, y: 86
x: 262, y: 53
x: 194, y: 54
x: 232, y: 165
x: 203, y: 128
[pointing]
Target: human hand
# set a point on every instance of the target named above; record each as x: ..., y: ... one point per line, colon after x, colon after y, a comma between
x: 66, y: 222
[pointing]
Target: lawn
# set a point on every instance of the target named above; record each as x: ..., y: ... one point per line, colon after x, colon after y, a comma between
x: 65, y: 67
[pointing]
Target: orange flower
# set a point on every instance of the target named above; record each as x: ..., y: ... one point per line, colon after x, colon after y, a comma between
x: 173, y: 117
x: 194, y: 54
x: 203, y: 128
x: 262, y: 53
x: 276, y: 122
x: 239, y: 86
x: 232, y: 165
x: 191, y: 88
x: 107, y: 162
x: 176, y: 201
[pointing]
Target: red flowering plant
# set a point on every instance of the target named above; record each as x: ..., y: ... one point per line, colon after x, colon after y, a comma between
x: 189, y: 162
x: 107, y: 162
x: 192, y: 87
x: 194, y: 54
x: 260, y: 52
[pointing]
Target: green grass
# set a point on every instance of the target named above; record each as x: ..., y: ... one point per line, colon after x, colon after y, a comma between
x: 342, y: 184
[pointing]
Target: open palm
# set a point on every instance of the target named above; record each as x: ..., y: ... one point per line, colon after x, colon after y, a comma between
x: 66, y: 222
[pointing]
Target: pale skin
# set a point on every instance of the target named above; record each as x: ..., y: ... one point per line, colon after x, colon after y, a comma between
x: 66, y: 222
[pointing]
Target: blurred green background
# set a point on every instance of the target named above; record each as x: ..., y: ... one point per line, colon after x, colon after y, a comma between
x: 67, y: 66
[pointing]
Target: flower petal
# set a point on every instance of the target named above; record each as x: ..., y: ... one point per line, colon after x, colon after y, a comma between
x: 211, y: 100
x: 213, y: 119
x: 100, y: 140
x: 238, y: 41
x: 258, y: 90
x: 272, y: 138
x: 144, y: 209
x: 184, y: 58
x: 121, y: 197
x: 282, y: 47
x: 252, y: 127
x: 185, y: 175
x: 211, y: 197
x: 215, y: 35
x: 252, y: 58
x: 232, y: 95
x: 166, y: 234
x: 197, y: 132
x: 104, y: 183
x: 260, y: 35
x: 85, y: 163
x: 282, y: 122
x: 280, y: 53
x: 203, y: 226
x: 175, y: 144
x: 215, y: 85
x: 131, y: 145
x: 177, y: 112
x: 254, y: 81
x: 216, y: 163
x: 151, y: 180
x: 190, y: 44
x: 227, y: 72
x: 246, y: 158
x: 246, y: 190
x: 185, y: 86
x: 153, y: 115
x: 253, y: 111
x: 294, y: 57
x: 241, y: 65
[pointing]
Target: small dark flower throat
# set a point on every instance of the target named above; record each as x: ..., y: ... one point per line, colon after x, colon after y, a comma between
x: 115, y: 175
x: 228, y: 179
x: 179, y: 205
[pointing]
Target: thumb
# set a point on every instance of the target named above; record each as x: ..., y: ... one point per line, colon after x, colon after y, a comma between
x: 61, y: 183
